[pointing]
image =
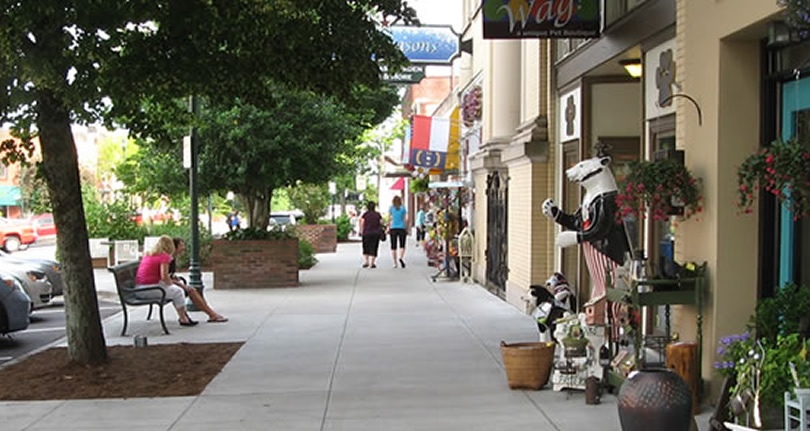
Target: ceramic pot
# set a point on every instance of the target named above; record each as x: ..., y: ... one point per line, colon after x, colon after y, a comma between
x: 655, y: 399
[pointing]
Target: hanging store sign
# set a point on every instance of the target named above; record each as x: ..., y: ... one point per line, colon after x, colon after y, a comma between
x: 408, y: 75
x: 546, y: 19
x: 426, y: 44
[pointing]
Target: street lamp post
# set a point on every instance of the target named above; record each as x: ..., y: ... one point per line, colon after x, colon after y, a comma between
x: 194, y: 276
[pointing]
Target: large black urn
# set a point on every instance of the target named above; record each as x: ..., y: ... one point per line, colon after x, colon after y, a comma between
x: 655, y: 399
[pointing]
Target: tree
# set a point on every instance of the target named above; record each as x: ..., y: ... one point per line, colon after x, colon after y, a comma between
x: 297, y: 136
x: 311, y: 199
x: 88, y: 60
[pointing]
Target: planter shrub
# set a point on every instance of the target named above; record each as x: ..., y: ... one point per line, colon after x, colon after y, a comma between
x: 242, y: 262
x: 322, y: 237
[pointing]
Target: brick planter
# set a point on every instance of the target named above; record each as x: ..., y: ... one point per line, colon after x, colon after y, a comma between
x: 323, y: 237
x: 255, y: 264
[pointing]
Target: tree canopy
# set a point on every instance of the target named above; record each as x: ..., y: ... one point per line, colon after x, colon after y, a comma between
x: 90, y: 60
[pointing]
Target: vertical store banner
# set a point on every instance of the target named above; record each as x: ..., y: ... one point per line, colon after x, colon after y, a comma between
x: 430, y: 138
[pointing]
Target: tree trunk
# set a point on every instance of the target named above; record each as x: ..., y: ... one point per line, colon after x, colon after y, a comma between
x: 258, y: 210
x: 85, y: 337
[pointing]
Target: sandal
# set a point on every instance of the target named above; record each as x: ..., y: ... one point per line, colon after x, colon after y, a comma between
x: 189, y: 323
x: 218, y: 319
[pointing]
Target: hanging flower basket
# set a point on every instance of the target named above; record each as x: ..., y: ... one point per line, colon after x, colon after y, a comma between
x: 471, y: 106
x: 782, y: 169
x: 797, y: 14
x: 662, y: 187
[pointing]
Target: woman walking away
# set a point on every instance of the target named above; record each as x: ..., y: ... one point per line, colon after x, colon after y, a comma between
x: 154, y: 269
x: 397, y: 230
x: 370, y: 229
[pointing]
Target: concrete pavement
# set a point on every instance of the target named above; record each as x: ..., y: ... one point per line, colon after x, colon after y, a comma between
x: 350, y: 349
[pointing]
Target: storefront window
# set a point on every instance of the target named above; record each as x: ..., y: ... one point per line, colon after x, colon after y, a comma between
x: 615, y: 9
x: 567, y: 46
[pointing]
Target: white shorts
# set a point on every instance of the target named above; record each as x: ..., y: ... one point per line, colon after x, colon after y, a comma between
x: 173, y: 293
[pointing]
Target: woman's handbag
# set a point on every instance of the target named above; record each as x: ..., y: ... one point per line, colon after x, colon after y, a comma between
x: 382, y: 236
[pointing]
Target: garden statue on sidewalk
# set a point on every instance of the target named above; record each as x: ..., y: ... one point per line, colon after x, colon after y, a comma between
x: 594, y: 226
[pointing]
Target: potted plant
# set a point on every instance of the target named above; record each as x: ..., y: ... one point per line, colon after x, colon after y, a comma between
x: 758, y: 361
x: 782, y: 169
x: 662, y: 187
x: 256, y: 258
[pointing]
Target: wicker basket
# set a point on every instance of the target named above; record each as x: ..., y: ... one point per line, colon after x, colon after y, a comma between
x: 528, y: 365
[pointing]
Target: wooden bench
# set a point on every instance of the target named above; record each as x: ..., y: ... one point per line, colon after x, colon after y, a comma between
x: 125, y: 284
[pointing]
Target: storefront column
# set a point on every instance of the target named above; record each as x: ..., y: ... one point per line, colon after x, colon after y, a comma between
x: 502, y: 91
x: 530, y: 235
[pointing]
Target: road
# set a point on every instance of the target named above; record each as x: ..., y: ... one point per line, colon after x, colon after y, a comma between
x: 47, y: 324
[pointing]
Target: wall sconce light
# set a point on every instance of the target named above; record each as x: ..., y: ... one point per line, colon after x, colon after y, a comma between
x: 632, y: 66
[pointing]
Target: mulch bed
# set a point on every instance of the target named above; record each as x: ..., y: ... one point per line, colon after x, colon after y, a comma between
x: 166, y: 370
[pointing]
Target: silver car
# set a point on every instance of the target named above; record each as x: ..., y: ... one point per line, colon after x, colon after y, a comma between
x: 51, y: 268
x: 35, y: 283
x: 15, y: 305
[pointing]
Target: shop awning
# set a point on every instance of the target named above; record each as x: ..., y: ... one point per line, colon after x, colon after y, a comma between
x: 10, y: 196
x: 399, y: 184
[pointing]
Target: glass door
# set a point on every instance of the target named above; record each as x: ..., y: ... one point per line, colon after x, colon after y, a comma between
x: 794, y: 244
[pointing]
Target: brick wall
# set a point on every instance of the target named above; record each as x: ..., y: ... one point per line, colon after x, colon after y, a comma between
x: 323, y: 237
x: 255, y: 264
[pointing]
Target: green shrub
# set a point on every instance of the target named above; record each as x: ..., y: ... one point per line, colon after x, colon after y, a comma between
x: 256, y: 234
x: 113, y: 220
x: 306, y: 254
x: 780, y: 315
x: 344, y: 227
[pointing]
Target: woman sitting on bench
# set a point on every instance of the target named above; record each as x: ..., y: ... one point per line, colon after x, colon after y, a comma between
x: 154, y: 269
x: 194, y: 294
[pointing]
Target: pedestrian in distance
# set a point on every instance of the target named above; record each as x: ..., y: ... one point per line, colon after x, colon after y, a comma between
x: 420, y: 227
x: 195, y: 296
x: 370, y: 228
x: 235, y: 222
x: 397, y: 230
x: 229, y: 221
x: 154, y: 270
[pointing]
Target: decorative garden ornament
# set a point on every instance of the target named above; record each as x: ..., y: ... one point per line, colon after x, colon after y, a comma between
x: 594, y: 224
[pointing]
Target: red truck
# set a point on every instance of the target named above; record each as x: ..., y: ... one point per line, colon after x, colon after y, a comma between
x: 15, y: 234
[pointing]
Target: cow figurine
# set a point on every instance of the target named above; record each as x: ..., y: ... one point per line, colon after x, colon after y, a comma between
x: 594, y: 225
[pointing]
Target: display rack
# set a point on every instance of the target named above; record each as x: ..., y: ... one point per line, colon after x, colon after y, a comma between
x: 682, y: 291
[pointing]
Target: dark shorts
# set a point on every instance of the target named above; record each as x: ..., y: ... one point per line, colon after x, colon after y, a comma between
x: 398, y: 236
x: 420, y: 233
x: 371, y: 243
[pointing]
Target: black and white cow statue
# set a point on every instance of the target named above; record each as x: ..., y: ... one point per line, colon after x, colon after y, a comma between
x: 594, y: 225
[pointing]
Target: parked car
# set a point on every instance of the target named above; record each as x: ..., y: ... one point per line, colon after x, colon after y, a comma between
x: 16, y: 234
x: 35, y: 283
x: 51, y: 268
x: 15, y: 304
x: 44, y: 226
x: 282, y: 218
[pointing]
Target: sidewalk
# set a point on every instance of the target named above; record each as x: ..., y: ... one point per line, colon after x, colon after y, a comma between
x: 350, y: 349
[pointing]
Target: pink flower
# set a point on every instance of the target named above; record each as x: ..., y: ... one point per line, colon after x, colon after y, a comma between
x: 769, y: 159
x: 744, y: 188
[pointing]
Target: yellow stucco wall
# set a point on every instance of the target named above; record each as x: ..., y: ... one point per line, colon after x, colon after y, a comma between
x: 718, y: 65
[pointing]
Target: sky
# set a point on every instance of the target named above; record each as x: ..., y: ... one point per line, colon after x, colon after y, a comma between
x: 446, y: 12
